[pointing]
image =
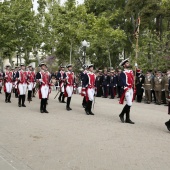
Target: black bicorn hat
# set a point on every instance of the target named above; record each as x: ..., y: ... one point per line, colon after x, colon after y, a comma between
x: 69, y: 65
x: 123, y: 62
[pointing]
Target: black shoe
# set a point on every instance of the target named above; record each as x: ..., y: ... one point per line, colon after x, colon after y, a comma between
x: 129, y: 121
x: 45, y: 111
x: 6, y: 101
x: 168, y: 125
x: 91, y: 113
x: 9, y: 101
x: 63, y: 102
x: 166, y: 105
x: 121, y: 118
x: 87, y: 112
x: 59, y: 100
x: 19, y: 105
x: 68, y: 108
x: 23, y: 105
x: 41, y: 111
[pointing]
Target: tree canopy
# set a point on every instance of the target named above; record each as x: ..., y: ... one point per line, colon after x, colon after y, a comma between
x: 58, y: 30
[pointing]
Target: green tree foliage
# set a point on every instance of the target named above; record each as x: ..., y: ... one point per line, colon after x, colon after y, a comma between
x: 58, y: 30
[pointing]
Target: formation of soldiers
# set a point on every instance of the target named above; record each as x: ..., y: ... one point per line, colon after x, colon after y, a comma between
x: 126, y: 84
x: 150, y: 87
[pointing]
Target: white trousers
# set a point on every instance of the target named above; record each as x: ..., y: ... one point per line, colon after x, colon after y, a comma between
x: 79, y: 90
x: 34, y: 85
x: 129, y: 97
x: 0, y: 84
x: 22, y: 88
x: 8, y: 86
x: 90, y: 93
x: 44, y: 91
x: 69, y: 90
x: 30, y: 86
x: 62, y: 87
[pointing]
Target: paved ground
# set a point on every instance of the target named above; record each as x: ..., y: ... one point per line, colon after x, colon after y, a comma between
x: 63, y: 140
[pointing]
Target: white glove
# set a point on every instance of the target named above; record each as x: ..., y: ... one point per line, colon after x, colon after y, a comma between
x: 136, y: 64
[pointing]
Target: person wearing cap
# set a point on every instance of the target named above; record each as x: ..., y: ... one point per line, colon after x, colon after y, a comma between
x: 99, y: 84
x: 1, y: 79
x: 69, y: 80
x: 127, y: 79
x: 148, y: 86
x: 140, y: 79
x: 89, y: 82
x: 105, y: 84
x: 31, y: 80
x: 22, y: 80
x: 158, y: 87
x: 83, y: 90
x: 59, y: 77
x: 8, y: 79
x: 43, y: 79
x: 15, y: 81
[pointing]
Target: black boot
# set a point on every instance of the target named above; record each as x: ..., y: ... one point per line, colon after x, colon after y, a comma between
x: 42, y: 106
x: 63, y: 97
x: 128, y: 116
x: 16, y: 93
x: 23, y: 101
x: 6, y: 97
x: 87, y: 108
x: 68, y: 104
x: 19, y: 100
x: 168, y: 125
x: 9, y: 97
x: 122, y: 113
x: 59, y: 98
x: 29, y: 95
x: 90, y: 107
x: 84, y: 103
x: 33, y: 92
x: 45, y: 104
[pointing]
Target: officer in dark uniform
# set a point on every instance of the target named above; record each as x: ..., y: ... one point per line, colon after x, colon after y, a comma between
x: 140, y: 79
x: 82, y: 76
x: 99, y: 84
x: 105, y: 84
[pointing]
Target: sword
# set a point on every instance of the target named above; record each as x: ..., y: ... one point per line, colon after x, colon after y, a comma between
x: 57, y: 94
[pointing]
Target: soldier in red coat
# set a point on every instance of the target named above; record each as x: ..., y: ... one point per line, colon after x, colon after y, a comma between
x: 31, y: 81
x: 89, y: 83
x: 1, y: 79
x: 127, y: 78
x: 8, y: 79
x: 22, y: 81
x: 70, y: 81
x: 59, y: 77
x: 43, y: 79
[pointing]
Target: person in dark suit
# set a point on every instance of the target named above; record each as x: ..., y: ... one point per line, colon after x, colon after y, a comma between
x: 140, y: 79
x: 113, y: 84
x: 99, y: 84
x: 105, y: 84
